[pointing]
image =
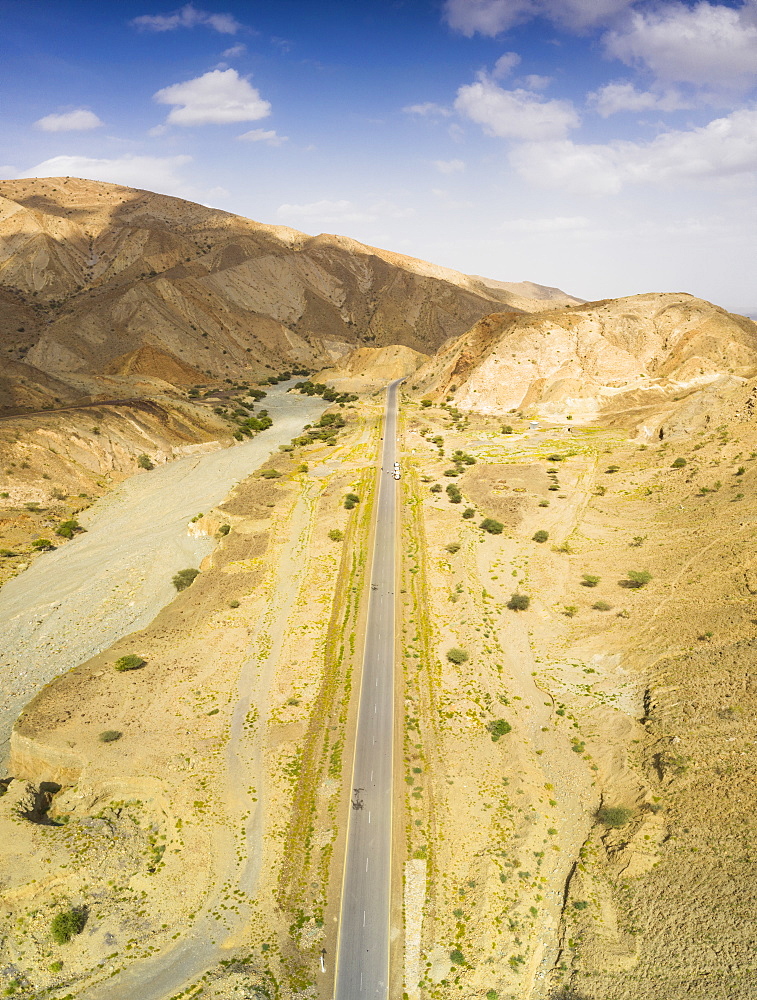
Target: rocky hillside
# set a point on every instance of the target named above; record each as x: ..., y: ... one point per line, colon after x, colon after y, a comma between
x: 91, y: 273
x: 632, y: 360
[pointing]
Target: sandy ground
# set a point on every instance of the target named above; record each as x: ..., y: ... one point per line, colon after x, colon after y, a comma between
x: 113, y: 580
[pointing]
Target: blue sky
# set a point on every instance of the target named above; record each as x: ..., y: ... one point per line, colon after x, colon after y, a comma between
x: 605, y: 146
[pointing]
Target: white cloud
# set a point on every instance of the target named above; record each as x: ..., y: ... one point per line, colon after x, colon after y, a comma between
x: 558, y: 224
x: 188, y: 16
x: 505, y: 65
x: 623, y: 96
x: 69, y: 121
x: 151, y: 172
x: 234, y: 52
x: 535, y: 82
x: 724, y: 148
x: 342, y: 212
x: 428, y: 109
x: 219, y: 97
x: 269, y: 136
x: 449, y: 166
x: 707, y: 44
x: 514, y: 114
x: 492, y: 17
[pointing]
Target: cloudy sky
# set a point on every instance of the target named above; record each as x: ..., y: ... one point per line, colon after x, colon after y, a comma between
x: 605, y: 146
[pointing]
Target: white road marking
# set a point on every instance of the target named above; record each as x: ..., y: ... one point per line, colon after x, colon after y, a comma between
x: 366, y: 864
x: 369, y: 816
x: 363, y: 918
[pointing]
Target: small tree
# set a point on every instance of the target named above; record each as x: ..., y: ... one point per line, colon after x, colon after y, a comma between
x: 519, y: 602
x: 67, y: 529
x: 129, y: 662
x: 499, y: 727
x: 184, y: 578
x: 336, y: 535
x: 638, y: 578
x: 493, y: 527
x: 43, y: 544
x: 540, y: 536
x: 457, y: 656
x: 67, y: 924
x: 436, y: 488
x: 589, y: 580
x: 145, y: 462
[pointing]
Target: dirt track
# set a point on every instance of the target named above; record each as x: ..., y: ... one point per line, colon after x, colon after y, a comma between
x: 111, y: 581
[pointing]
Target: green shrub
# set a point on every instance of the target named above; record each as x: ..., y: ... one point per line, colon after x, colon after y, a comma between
x: 638, y: 578
x: 612, y: 468
x: 457, y: 656
x: 184, y: 578
x: 336, y: 535
x: 602, y: 606
x: 453, y: 547
x: 555, y: 458
x: 42, y: 544
x: 499, y: 727
x: 6, y: 553
x: 129, y: 662
x: 589, y: 580
x: 507, y: 429
x: 519, y: 602
x: 570, y: 610
x: 454, y: 494
x: 614, y: 817
x: 544, y: 503
x: 451, y: 472
x: 491, y: 526
x: 425, y: 403
x: 353, y: 498
x: 270, y: 474
x: 55, y: 966
x: 678, y: 464
x: 224, y: 529
x: 436, y: 488
x: 145, y: 462
x: 457, y: 957
x: 67, y: 924
x: 468, y: 513
x: 540, y: 536
x: 67, y: 529
x: 234, y: 604
x: 109, y: 736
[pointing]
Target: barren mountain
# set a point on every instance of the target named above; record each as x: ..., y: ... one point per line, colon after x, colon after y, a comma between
x: 91, y: 273
x: 634, y: 356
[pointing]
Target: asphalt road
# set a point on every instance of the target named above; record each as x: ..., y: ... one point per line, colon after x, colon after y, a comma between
x: 363, y: 951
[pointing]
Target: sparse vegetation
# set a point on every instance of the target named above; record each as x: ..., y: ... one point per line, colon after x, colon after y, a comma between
x: 336, y: 535
x: 270, y: 474
x: 129, y: 662
x: 145, y: 462
x: 498, y: 728
x: 637, y: 578
x: 540, y: 536
x: 468, y: 513
x: 678, y: 463
x: 184, y: 578
x: 590, y: 580
x: 491, y: 526
x: 453, y: 547
x: 234, y: 603
x: 602, y: 606
x: 454, y: 494
x: 67, y: 529
x: 224, y: 529
x: 351, y: 500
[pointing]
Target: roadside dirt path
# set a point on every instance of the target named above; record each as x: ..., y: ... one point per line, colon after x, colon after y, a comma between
x: 113, y: 580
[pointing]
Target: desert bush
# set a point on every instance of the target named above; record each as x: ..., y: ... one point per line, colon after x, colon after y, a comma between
x: 129, y: 662
x: 67, y: 924
x: 499, y: 727
x: 184, y: 578
x: 224, y: 529
x: 589, y: 580
x: 456, y: 655
x: 67, y: 529
x: 453, y: 547
x: 570, y: 611
x: 454, y: 494
x: 544, y: 503
x: 553, y: 487
x: 468, y: 513
x: 425, y: 403
x: 637, y: 541
x: 270, y: 474
x: 457, y: 957
x: 637, y: 578
x: 600, y: 491
x: 336, y: 535
x: 614, y: 817
x: 519, y: 602
x: 6, y: 553
x: 540, y: 536
x: 612, y: 468
x: 678, y: 463
x: 451, y: 472
x: 555, y: 458
x: 234, y: 604
x: 436, y: 488
x: 145, y: 462
x: 109, y: 736
x: 42, y: 544
x: 491, y: 526
x: 602, y: 606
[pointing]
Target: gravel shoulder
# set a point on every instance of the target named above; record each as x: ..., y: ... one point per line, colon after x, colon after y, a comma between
x: 78, y: 600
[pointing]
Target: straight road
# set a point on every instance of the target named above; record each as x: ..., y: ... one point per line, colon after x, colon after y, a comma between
x: 363, y: 951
